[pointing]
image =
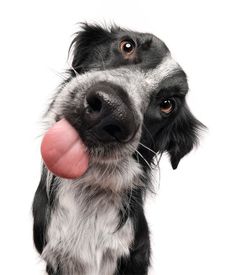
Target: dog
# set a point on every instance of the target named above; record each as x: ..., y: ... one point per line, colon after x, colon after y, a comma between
x: 125, y: 96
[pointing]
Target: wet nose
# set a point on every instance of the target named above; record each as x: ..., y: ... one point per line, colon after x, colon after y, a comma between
x: 109, y: 113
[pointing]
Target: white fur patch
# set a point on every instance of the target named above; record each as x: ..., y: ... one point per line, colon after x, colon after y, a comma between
x: 82, y: 234
x: 167, y: 68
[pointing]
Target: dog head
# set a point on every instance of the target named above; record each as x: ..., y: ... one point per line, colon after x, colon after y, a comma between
x: 125, y: 95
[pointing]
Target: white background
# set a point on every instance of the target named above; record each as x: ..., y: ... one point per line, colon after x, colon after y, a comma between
x: 193, y: 216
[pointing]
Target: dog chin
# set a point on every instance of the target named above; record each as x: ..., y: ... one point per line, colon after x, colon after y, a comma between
x: 112, y: 155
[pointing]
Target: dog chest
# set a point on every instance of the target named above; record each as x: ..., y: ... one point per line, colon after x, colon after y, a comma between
x: 83, y: 228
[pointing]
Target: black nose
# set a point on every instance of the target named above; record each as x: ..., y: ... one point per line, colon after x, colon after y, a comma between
x: 109, y: 113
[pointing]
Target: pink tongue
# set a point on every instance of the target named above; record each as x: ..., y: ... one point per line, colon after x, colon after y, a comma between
x: 63, y: 151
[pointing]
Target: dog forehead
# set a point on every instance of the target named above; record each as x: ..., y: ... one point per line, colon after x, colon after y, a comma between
x: 139, y: 84
x: 167, y: 69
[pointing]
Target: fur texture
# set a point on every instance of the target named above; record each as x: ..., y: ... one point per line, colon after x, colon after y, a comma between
x: 95, y: 225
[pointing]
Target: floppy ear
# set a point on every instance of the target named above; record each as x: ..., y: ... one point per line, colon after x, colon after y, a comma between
x: 182, y: 136
x: 85, y: 46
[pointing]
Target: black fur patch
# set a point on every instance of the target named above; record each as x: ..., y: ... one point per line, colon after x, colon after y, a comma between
x: 41, y: 211
x: 97, y: 48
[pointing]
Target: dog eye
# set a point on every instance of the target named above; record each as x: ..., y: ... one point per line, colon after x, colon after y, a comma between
x: 127, y: 47
x: 167, y: 106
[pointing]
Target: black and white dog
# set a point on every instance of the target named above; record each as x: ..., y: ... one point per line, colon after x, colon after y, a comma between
x: 125, y: 95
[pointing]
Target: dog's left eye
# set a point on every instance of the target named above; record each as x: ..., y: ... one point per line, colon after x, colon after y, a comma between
x: 167, y: 106
x: 127, y: 47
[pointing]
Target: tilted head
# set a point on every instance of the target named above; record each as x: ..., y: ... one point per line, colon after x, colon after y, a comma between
x: 125, y: 95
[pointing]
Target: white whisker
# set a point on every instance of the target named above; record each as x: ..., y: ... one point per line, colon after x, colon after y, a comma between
x: 143, y: 158
x: 147, y: 148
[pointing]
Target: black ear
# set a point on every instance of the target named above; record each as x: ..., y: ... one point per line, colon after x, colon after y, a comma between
x: 40, y: 212
x: 87, y: 46
x: 182, y: 136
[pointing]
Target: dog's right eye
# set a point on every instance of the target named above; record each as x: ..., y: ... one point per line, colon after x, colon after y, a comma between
x: 127, y: 47
x: 167, y: 106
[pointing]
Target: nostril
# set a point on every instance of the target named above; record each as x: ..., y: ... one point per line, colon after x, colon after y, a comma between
x: 108, y: 114
x: 113, y: 130
x: 94, y: 104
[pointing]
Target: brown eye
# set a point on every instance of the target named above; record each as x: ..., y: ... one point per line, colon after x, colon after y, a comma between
x: 167, y: 106
x: 127, y: 47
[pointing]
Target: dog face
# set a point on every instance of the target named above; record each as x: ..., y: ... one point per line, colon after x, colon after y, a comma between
x: 126, y: 97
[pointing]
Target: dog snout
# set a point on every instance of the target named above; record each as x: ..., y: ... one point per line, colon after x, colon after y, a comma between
x: 109, y: 113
